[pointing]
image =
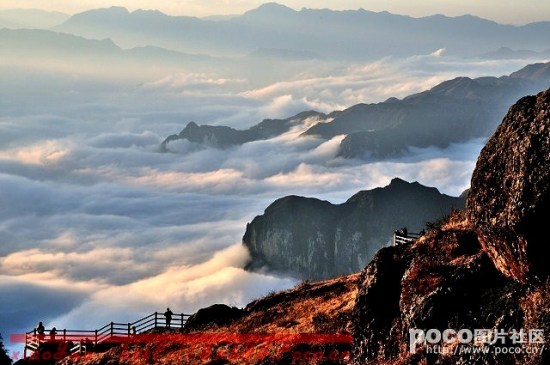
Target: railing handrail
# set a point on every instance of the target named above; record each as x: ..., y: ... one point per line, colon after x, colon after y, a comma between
x: 104, y: 327
x: 152, y: 315
x: 401, y: 238
x: 409, y: 234
x: 34, y: 339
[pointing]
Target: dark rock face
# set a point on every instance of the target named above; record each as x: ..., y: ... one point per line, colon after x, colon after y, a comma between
x: 377, y: 304
x: 509, y: 202
x: 313, y: 239
x: 219, y: 314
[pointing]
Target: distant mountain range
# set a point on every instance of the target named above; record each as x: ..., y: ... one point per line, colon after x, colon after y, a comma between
x: 34, y: 43
x: 347, y: 35
x: 505, y: 53
x: 31, y: 19
x: 148, y: 63
x: 451, y: 112
x: 39, y: 41
x: 314, y: 239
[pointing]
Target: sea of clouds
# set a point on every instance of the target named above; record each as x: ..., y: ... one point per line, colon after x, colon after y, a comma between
x: 97, y: 225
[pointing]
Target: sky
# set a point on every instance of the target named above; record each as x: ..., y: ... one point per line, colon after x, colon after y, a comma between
x: 504, y: 11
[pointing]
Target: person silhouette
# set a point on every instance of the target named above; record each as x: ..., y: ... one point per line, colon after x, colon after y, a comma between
x: 40, y: 330
x: 405, y: 232
x: 53, y: 332
x: 168, y: 315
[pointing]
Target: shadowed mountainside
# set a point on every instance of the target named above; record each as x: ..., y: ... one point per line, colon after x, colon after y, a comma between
x: 314, y: 239
x: 451, y: 112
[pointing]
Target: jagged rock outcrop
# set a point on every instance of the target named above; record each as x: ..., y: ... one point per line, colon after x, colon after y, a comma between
x: 313, y: 239
x: 509, y: 202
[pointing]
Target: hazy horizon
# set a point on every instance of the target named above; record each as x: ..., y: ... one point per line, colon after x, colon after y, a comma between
x: 505, y: 12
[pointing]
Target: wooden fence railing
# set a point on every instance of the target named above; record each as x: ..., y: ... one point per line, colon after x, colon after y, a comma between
x: 400, y: 238
x: 83, y: 340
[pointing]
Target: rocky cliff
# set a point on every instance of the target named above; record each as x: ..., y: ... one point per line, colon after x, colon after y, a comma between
x: 510, y: 197
x: 313, y: 239
x: 444, y: 281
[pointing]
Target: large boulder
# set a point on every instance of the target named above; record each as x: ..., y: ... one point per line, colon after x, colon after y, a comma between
x: 216, y: 314
x: 509, y: 201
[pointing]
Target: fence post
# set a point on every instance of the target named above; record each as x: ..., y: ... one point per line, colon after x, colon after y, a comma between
x: 155, y: 319
x: 96, y: 337
x: 65, y: 335
x: 182, y: 320
x: 129, y: 329
x: 112, y: 329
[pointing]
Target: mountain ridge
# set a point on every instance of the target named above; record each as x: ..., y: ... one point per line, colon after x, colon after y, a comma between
x: 225, y: 137
x: 31, y: 18
x: 471, y: 108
